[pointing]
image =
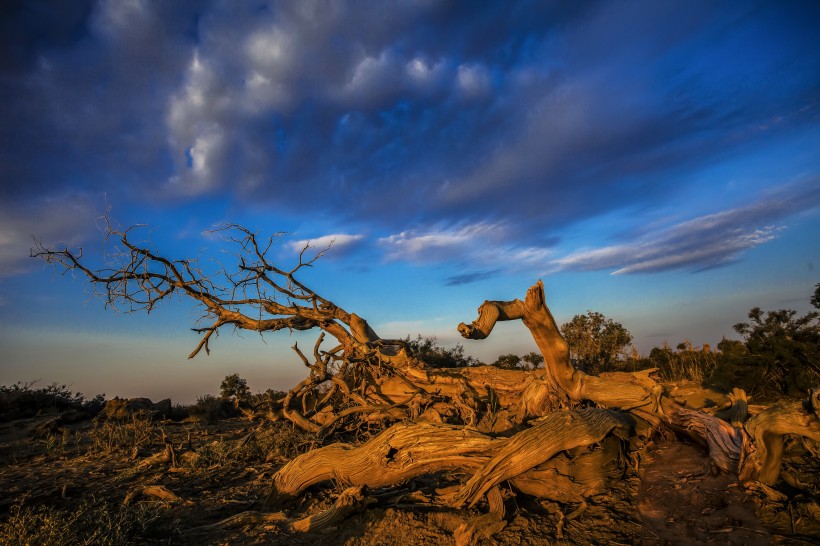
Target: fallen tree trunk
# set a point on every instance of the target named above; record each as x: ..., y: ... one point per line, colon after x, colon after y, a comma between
x: 405, y: 451
x: 555, y: 432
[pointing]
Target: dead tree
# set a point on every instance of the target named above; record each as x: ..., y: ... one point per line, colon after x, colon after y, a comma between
x: 554, y: 432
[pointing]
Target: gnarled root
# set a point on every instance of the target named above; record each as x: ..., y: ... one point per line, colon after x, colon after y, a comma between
x: 763, y: 455
x: 485, y: 525
x: 350, y: 501
x: 752, y: 449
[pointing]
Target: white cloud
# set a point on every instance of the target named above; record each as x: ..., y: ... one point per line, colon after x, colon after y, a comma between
x: 206, y: 153
x: 473, y: 79
x: 269, y: 50
x: 116, y: 19
x: 336, y: 241
x: 192, y: 105
x: 708, y: 241
x: 423, y: 75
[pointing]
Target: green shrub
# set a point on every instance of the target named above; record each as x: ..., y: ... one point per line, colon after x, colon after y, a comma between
x: 234, y: 387
x: 428, y: 350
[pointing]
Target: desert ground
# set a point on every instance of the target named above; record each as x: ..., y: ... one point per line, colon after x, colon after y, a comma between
x: 140, y: 477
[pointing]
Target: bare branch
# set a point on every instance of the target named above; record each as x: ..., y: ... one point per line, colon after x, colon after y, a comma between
x: 140, y: 278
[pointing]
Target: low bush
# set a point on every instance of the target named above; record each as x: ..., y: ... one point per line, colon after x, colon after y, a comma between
x: 22, y: 400
x: 211, y: 409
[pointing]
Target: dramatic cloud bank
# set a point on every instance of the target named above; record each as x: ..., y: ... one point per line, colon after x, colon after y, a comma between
x: 633, y: 154
x: 446, y: 130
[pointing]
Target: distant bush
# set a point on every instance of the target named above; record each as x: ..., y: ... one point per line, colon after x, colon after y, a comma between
x: 508, y: 362
x: 234, y: 387
x: 270, y: 396
x: 780, y: 353
x: 179, y: 412
x: 686, y: 363
x: 428, y: 350
x: 211, y: 409
x: 596, y: 343
x: 22, y: 400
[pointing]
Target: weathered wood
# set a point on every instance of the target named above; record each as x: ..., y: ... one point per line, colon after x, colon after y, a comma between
x: 763, y: 452
x: 352, y: 499
x: 615, y: 390
x: 724, y: 442
x: 158, y: 491
x: 555, y: 432
x: 485, y: 525
x: 401, y: 452
x: 752, y: 449
x: 405, y: 451
x: 572, y: 478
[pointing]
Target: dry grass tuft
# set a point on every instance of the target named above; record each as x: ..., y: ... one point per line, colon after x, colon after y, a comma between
x: 92, y: 522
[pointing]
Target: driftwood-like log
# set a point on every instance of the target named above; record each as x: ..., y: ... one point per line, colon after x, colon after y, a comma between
x: 752, y: 449
x: 485, y: 525
x: 158, y: 491
x: 401, y: 452
x: 571, y: 477
x: 352, y: 500
x: 724, y: 442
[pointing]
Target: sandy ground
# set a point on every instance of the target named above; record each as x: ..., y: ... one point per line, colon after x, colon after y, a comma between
x: 673, y: 497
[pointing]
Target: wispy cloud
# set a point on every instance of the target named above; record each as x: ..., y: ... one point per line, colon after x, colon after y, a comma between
x: 442, y: 242
x: 470, y: 277
x: 701, y: 243
x: 535, y: 118
x: 479, y: 250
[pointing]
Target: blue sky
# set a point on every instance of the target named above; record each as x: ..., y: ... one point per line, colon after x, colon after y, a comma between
x: 658, y: 162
